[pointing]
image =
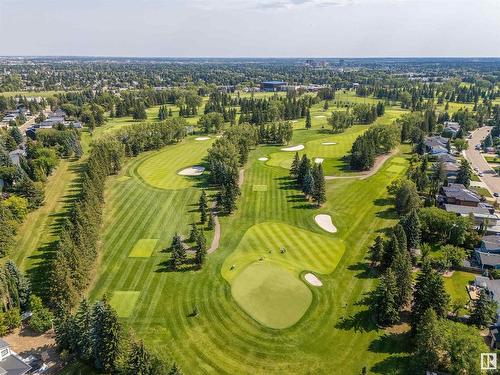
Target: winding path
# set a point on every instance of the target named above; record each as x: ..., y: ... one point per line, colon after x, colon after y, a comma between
x: 379, y: 162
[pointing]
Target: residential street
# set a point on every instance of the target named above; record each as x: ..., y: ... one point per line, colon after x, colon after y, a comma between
x: 477, y: 160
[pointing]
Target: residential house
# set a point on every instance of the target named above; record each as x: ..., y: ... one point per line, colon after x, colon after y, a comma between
x: 488, y: 253
x: 10, y: 362
x: 451, y: 128
x: 436, y: 145
x: 481, y: 215
x: 458, y: 194
x: 446, y: 158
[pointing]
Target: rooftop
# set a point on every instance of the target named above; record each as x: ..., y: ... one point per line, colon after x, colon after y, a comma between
x: 460, y: 192
x: 491, y: 242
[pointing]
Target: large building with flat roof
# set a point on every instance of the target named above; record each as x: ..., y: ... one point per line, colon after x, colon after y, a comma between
x: 272, y: 86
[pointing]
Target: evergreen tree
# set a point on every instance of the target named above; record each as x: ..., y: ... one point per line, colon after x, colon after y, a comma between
x: 178, y: 256
x: 308, y: 119
x: 429, y: 293
x: 175, y: 370
x: 326, y: 105
x: 401, y: 266
x: 464, y: 174
x: 294, y: 169
x: 106, y: 334
x: 193, y: 234
x: 319, y: 192
x: 211, y: 221
x: 401, y: 237
x: 484, y: 311
x: 385, y: 299
x: 83, y: 339
x: 308, y: 184
x: 203, y: 207
x: 304, y: 168
x: 428, y: 342
x: 411, y: 224
x: 201, y: 249
x: 139, y: 360
x: 391, y: 250
x: 377, y: 250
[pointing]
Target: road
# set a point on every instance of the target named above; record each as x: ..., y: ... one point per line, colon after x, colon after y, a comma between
x: 490, y: 178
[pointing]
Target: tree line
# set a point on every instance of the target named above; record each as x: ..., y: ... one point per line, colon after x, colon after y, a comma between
x: 77, y: 247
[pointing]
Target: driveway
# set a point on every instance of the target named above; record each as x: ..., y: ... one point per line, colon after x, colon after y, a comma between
x: 490, y: 179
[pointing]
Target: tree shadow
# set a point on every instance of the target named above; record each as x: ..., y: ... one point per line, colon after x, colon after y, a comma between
x: 362, y: 321
x: 168, y: 266
x: 367, y: 272
x: 394, y: 364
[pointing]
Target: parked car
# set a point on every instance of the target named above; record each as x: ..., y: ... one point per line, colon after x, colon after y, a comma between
x: 496, y: 195
x: 480, y: 174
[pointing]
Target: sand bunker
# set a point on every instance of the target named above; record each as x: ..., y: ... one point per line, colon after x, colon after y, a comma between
x: 329, y: 143
x: 293, y: 148
x: 319, y: 160
x: 325, y: 222
x: 192, y: 171
x: 312, y: 279
x: 263, y: 158
x: 320, y: 116
x: 202, y: 139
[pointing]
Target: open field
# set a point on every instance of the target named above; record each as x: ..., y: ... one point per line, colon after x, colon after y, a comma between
x: 224, y: 338
x: 42, y: 94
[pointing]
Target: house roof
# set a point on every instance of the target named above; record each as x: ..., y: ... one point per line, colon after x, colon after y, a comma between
x: 460, y: 192
x: 436, y: 141
x: 14, y: 365
x: 489, y: 259
x: 491, y: 243
x: 447, y: 158
x: 3, y: 344
x: 466, y: 210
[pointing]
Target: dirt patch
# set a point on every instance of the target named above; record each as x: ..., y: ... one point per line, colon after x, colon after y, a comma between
x: 25, y: 343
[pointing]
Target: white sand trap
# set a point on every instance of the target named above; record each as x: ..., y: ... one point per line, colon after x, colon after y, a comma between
x: 202, y: 139
x: 325, y: 222
x: 329, y: 143
x: 263, y: 158
x: 295, y: 121
x: 293, y: 148
x: 319, y: 160
x: 321, y: 116
x: 312, y: 279
x: 192, y: 171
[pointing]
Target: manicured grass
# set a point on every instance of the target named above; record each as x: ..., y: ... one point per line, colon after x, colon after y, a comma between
x: 143, y: 248
x: 271, y: 295
x: 259, y: 188
x: 124, y: 301
x: 160, y: 169
x: 38, y: 233
x: 304, y: 250
x: 336, y: 331
x: 455, y: 286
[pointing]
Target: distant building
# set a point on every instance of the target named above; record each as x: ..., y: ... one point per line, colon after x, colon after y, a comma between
x: 273, y: 86
x: 10, y: 362
x: 451, y: 128
x: 15, y: 156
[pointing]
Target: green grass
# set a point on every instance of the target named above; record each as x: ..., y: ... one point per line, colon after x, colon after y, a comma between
x: 124, y: 301
x: 259, y: 188
x: 271, y: 295
x: 455, y: 286
x: 143, y: 248
x: 160, y: 169
x: 336, y: 330
x: 305, y: 250
x: 42, y: 94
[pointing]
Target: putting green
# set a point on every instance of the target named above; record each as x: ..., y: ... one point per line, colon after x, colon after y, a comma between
x: 271, y: 295
x: 304, y: 250
x: 124, y: 302
x: 160, y: 169
x: 143, y: 248
x: 259, y: 188
x: 333, y: 163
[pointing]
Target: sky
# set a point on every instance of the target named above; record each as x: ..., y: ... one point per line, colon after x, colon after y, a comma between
x: 246, y: 28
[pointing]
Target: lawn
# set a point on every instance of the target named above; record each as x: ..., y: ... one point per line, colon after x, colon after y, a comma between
x: 161, y: 169
x: 271, y: 295
x: 336, y: 331
x: 455, y: 286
